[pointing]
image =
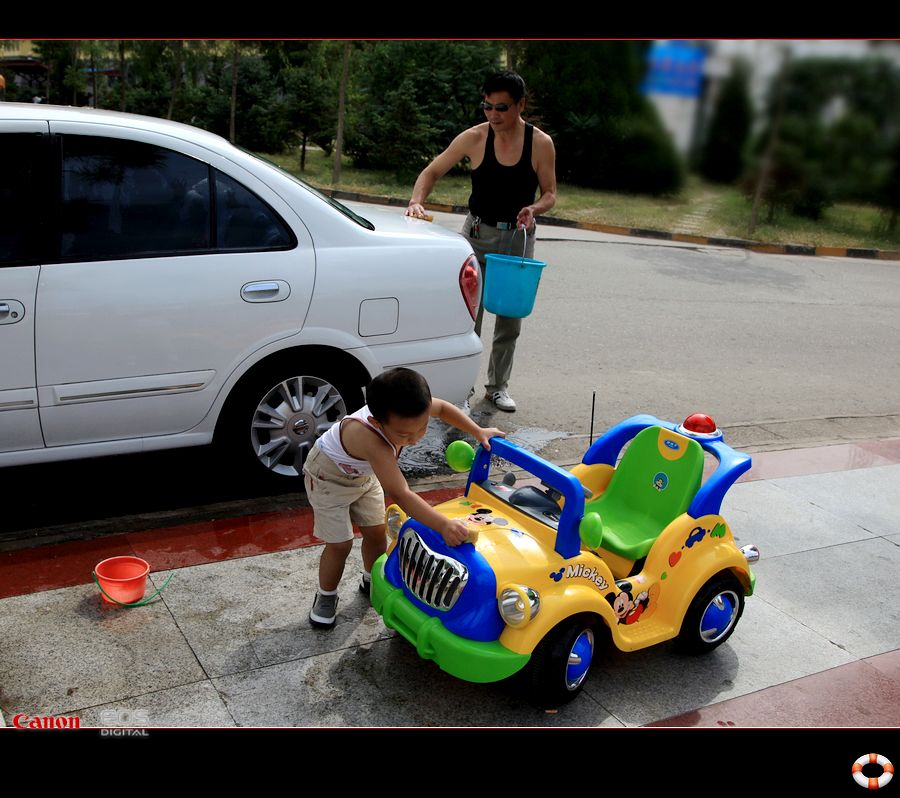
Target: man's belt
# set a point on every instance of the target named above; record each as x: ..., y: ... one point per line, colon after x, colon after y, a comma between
x: 498, y: 225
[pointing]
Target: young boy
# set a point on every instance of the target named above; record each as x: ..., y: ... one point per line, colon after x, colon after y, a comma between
x: 355, y: 461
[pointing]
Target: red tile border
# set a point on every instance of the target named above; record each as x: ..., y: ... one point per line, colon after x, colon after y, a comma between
x: 823, y: 459
x: 67, y: 564
x: 859, y: 694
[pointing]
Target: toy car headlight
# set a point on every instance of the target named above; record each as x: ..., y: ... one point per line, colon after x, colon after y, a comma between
x: 394, y: 519
x: 518, y: 604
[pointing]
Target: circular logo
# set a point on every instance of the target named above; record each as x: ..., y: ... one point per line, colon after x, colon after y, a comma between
x: 301, y: 426
x: 872, y: 782
x: 661, y: 481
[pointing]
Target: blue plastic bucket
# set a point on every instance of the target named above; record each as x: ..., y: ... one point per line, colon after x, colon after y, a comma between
x: 510, y: 284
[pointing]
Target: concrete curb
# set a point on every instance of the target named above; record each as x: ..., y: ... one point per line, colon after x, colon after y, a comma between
x: 641, y: 232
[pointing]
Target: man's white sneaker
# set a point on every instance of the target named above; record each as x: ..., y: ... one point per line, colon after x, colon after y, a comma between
x: 502, y: 401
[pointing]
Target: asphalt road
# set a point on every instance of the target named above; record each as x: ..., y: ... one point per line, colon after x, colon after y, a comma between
x: 783, y: 351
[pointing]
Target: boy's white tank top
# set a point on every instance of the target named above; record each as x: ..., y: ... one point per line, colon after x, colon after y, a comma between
x: 330, y: 444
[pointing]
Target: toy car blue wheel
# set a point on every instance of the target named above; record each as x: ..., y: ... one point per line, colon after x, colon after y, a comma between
x: 712, y: 615
x: 561, y: 662
x: 580, y: 660
x: 719, y: 616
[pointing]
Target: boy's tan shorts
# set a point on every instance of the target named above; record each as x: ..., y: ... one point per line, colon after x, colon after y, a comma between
x: 339, y: 500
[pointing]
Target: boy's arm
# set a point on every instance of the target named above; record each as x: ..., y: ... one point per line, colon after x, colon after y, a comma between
x: 451, y: 414
x: 370, y: 447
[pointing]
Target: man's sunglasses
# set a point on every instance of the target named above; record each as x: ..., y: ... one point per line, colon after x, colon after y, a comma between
x: 501, y: 107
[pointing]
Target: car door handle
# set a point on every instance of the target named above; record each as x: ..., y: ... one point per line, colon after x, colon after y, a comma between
x: 266, y: 291
x: 11, y: 311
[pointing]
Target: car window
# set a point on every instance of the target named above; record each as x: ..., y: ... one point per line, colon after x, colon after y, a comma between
x: 19, y: 178
x: 338, y: 206
x: 244, y: 221
x: 123, y: 199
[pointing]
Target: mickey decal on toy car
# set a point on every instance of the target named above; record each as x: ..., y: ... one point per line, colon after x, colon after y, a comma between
x: 627, y: 609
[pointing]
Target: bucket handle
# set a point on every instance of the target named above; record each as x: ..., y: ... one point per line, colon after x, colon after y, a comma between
x: 140, y: 603
x: 524, y: 243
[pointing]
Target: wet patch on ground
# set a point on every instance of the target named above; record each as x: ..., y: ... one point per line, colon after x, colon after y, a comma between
x: 426, y: 458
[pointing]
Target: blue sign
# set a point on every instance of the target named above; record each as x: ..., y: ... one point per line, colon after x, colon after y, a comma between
x: 674, y: 67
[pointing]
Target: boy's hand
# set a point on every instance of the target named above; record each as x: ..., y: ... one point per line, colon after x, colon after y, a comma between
x: 454, y: 532
x: 486, y: 433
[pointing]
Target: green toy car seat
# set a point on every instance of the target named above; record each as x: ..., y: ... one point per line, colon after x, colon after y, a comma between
x: 653, y: 484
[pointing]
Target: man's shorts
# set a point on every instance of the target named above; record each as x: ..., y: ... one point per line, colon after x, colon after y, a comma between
x: 339, y: 500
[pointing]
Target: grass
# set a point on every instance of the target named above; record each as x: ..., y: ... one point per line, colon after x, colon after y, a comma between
x: 701, y: 208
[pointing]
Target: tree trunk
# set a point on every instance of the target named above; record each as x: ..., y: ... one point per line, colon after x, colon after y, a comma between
x: 339, y: 140
x: 234, y: 82
x: 176, y: 77
x: 303, y: 153
x: 75, y: 83
x: 93, y: 78
x: 121, y: 74
x: 769, y: 156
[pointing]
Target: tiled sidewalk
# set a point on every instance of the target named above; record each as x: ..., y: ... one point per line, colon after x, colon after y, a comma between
x: 229, y: 644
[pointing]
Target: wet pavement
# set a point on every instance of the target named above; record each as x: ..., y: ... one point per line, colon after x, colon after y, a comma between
x: 229, y: 643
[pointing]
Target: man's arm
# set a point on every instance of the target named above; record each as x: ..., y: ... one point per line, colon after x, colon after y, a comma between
x: 459, y: 148
x: 545, y: 164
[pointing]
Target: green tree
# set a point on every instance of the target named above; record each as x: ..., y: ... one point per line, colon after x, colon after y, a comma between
x: 306, y: 74
x: 723, y: 156
x: 410, y: 99
x: 60, y: 57
x: 798, y: 180
x: 840, y: 116
x: 586, y: 96
x: 890, y: 188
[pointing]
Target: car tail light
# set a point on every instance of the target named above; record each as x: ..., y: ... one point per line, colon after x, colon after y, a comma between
x: 470, y: 284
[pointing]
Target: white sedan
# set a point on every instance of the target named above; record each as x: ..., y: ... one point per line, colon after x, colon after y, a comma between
x: 161, y: 288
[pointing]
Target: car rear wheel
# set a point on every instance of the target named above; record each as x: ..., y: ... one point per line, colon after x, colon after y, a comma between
x: 279, y: 414
x: 712, y: 615
x: 560, y: 664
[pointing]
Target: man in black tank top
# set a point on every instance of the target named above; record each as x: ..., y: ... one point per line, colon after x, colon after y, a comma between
x: 510, y: 160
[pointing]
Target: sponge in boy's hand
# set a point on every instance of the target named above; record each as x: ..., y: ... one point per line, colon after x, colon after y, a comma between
x: 474, y: 531
x: 460, y: 456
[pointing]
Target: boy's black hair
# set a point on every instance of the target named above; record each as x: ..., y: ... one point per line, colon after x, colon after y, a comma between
x: 398, y: 391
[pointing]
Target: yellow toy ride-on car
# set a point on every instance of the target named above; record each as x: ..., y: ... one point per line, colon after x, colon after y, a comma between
x: 639, y: 546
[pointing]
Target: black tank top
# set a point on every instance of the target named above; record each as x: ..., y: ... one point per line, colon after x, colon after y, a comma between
x: 499, y: 192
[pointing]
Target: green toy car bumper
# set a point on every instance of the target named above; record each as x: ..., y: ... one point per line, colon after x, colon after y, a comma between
x: 470, y: 660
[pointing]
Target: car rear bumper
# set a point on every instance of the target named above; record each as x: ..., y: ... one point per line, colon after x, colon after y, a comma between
x: 449, y: 364
x: 465, y: 659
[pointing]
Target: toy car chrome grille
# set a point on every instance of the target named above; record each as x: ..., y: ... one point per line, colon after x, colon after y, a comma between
x: 434, y: 579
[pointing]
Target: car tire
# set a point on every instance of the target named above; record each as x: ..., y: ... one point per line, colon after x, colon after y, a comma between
x: 712, y: 616
x: 561, y: 663
x: 277, y: 414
